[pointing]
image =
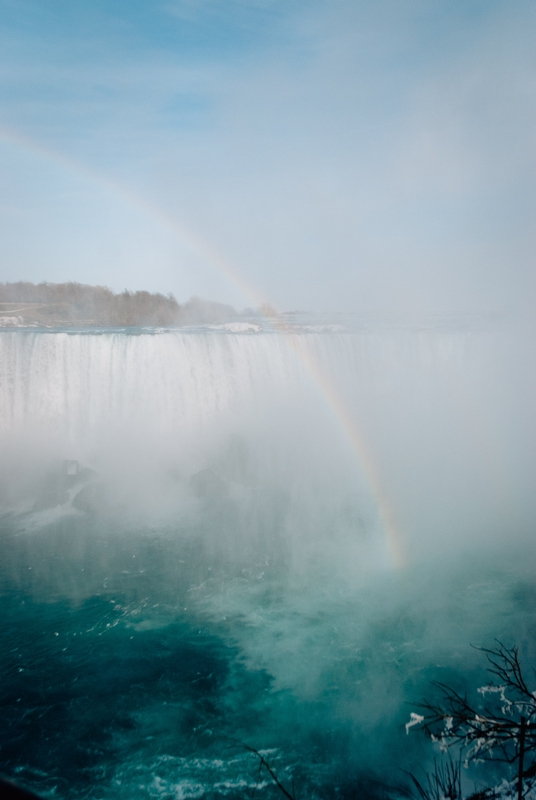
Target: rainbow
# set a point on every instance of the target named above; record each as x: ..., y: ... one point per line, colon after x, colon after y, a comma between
x: 202, y: 251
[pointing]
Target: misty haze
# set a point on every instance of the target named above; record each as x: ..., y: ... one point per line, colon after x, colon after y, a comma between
x: 267, y: 514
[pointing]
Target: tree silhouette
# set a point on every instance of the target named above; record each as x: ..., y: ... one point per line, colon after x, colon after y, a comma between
x: 263, y: 762
x: 500, y: 727
x: 63, y: 304
x: 442, y: 783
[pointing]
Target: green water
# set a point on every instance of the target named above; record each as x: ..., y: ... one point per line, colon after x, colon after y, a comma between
x: 133, y: 666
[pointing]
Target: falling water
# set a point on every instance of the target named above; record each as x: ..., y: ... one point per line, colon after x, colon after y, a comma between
x: 214, y: 540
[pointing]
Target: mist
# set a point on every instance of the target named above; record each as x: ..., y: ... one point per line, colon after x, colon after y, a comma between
x: 253, y: 529
x: 209, y: 478
x: 444, y: 420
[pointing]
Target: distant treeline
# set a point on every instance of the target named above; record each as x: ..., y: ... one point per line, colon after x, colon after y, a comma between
x: 56, y: 304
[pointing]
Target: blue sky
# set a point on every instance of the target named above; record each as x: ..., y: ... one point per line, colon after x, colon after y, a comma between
x: 367, y: 156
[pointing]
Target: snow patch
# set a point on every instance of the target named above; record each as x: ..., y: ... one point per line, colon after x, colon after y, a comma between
x: 11, y: 322
x: 238, y: 327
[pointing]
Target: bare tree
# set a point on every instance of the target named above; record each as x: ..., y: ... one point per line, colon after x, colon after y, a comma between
x: 501, y: 727
x: 442, y: 783
x: 263, y: 762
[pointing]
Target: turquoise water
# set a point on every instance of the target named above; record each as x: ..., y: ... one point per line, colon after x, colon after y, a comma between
x: 122, y: 681
x: 122, y: 696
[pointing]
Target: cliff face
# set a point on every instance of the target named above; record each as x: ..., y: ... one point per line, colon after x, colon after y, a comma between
x: 26, y: 304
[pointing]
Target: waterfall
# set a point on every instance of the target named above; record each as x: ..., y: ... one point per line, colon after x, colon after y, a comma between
x: 263, y: 418
x: 200, y: 521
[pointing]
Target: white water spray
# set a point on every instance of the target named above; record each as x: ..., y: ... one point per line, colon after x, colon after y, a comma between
x: 241, y: 411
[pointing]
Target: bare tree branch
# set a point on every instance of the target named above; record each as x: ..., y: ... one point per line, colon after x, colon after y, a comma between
x: 501, y: 727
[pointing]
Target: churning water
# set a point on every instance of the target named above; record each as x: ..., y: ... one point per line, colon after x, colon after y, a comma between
x: 219, y: 540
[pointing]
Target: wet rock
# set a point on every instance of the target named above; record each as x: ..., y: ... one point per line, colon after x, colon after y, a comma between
x: 87, y: 474
x: 91, y: 498
x: 208, y: 485
x: 71, y: 474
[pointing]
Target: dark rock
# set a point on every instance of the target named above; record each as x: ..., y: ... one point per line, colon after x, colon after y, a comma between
x: 91, y: 498
x: 10, y: 791
x: 207, y: 484
x: 87, y: 474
